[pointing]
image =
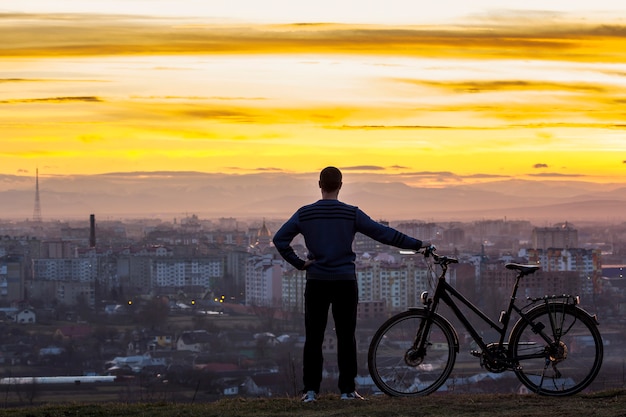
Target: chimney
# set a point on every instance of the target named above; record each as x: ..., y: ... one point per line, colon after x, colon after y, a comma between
x: 92, y: 231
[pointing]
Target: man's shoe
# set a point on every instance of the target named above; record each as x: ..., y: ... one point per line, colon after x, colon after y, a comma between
x: 309, y: 397
x: 351, y: 396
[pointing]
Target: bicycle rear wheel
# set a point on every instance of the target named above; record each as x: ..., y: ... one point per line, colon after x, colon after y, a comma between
x: 400, y: 372
x: 558, y: 349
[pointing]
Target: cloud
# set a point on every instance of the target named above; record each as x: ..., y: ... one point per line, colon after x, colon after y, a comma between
x: 441, y: 177
x: 542, y: 104
x: 432, y: 173
x: 242, y: 113
x: 88, y: 99
x: 380, y: 127
x: 449, y: 177
x: 556, y: 174
x: 199, y: 98
x: 523, y: 38
x: 363, y: 168
x: 43, y: 80
x: 254, y: 170
x: 149, y: 174
x: 21, y: 80
x: 484, y: 176
x: 540, y: 166
x: 220, y: 114
x: 472, y: 86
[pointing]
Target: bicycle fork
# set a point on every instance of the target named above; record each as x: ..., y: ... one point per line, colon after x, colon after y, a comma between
x: 414, y: 356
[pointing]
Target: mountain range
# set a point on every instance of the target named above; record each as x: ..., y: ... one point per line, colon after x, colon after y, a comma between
x: 274, y: 195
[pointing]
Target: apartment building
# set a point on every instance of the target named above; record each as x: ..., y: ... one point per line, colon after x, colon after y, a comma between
x: 264, y: 280
x: 293, y: 283
x: 563, y: 236
x: 186, y: 273
x: 587, y: 263
x: 11, y: 278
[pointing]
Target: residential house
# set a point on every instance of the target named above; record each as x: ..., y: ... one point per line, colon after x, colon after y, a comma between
x: 159, y: 341
x: 195, y: 341
x: 25, y: 316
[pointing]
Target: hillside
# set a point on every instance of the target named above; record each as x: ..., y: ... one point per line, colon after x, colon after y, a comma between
x: 171, y: 195
x: 605, y: 404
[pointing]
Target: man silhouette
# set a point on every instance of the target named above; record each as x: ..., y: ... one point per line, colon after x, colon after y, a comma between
x: 328, y: 227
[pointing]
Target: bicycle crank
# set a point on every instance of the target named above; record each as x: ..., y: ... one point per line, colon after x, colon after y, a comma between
x: 495, y: 359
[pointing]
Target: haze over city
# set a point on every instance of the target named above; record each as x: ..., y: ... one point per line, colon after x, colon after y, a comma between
x: 451, y: 110
x: 171, y: 195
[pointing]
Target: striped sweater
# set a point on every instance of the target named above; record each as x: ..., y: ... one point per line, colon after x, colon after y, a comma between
x: 328, y: 227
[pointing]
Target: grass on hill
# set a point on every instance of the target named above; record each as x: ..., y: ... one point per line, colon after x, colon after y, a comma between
x: 605, y: 404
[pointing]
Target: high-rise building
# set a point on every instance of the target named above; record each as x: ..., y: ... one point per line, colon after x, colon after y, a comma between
x: 563, y: 236
x: 12, y: 273
x: 398, y: 284
x: 264, y: 277
x: 587, y: 263
x: 186, y: 273
x: 293, y: 283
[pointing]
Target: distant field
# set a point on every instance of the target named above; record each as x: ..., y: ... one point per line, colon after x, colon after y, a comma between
x: 225, y: 321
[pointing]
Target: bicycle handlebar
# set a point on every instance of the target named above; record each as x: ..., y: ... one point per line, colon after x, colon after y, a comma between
x: 439, y: 259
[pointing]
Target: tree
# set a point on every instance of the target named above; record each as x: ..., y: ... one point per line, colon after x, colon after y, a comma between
x: 154, y: 313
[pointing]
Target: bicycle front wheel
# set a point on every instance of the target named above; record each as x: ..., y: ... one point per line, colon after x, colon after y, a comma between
x: 398, y: 370
x: 557, y: 349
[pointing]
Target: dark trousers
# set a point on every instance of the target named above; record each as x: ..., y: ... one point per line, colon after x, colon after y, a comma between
x: 319, y: 296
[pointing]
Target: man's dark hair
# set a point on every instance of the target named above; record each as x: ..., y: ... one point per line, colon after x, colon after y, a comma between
x: 330, y: 179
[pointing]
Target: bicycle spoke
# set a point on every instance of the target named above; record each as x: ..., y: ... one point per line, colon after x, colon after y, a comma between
x: 399, y: 371
x: 562, y: 358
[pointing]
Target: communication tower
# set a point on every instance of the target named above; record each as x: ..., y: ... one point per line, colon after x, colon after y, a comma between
x: 37, y: 210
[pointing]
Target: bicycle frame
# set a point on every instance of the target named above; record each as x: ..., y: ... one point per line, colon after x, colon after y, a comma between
x: 448, y: 294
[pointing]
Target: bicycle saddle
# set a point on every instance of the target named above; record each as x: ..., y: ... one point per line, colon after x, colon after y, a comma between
x: 523, y: 269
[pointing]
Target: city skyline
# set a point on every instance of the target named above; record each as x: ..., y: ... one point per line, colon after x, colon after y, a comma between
x: 428, y: 96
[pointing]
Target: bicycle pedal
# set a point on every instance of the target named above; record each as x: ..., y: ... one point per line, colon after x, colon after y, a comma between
x: 476, y: 353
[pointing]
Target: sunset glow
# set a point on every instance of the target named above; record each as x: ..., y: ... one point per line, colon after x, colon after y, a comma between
x: 179, y: 86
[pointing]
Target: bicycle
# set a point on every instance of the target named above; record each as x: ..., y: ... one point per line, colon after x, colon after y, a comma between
x: 554, y: 348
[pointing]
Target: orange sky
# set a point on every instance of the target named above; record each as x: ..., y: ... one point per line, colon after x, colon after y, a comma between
x: 528, y: 94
